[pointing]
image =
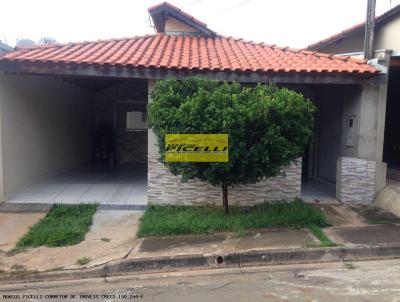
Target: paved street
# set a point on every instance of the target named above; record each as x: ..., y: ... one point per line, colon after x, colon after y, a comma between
x: 358, y: 281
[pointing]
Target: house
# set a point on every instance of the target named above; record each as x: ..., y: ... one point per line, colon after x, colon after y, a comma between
x: 386, y: 46
x: 55, y: 98
x: 4, y: 48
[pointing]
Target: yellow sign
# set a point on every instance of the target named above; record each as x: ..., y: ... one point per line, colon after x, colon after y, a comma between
x: 196, y: 148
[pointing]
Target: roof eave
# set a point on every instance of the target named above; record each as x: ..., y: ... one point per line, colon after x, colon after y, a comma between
x: 110, y: 71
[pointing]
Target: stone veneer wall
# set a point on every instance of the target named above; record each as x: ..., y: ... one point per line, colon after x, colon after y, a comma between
x: 131, y: 146
x: 356, y: 180
x: 165, y: 188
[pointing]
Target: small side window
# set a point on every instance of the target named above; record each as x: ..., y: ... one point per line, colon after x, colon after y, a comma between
x: 135, y: 120
x: 130, y: 116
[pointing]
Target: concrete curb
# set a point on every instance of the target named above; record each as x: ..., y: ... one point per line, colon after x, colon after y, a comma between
x: 200, y: 261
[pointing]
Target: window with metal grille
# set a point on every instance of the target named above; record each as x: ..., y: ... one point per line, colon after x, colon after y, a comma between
x: 130, y: 116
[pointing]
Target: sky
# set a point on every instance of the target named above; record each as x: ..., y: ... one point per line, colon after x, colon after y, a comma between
x: 293, y: 23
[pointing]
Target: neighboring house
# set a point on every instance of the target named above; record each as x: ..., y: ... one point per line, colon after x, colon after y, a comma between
x: 387, y: 56
x: 53, y: 97
x: 4, y: 48
x: 351, y: 40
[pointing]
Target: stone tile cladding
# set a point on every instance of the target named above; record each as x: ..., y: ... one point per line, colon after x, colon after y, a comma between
x: 357, y: 180
x: 165, y: 188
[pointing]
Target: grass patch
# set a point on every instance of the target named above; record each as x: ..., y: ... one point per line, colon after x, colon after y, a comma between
x: 319, y: 233
x: 18, y: 268
x: 105, y: 239
x: 379, y: 221
x: 349, y: 265
x: 178, y: 220
x: 83, y: 261
x: 63, y: 225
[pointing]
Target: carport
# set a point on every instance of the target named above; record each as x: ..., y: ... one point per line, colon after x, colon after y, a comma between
x: 71, y: 139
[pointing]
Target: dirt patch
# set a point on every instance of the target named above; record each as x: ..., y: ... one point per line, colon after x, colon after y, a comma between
x: 375, y: 215
x: 366, y: 235
x: 14, y: 225
x: 118, y: 226
x: 275, y: 238
x: 332, y: 216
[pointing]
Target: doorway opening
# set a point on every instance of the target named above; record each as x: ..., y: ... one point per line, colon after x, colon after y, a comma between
x: 320, y: 156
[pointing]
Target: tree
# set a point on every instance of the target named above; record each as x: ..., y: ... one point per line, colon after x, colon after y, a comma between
x: 268, y: 127
x: 47, y: 41
x: 24, y: 43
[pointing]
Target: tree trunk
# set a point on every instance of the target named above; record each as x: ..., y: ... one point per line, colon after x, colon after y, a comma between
x: 225, y: 197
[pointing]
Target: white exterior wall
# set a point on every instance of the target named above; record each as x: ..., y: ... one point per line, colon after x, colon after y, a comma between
x: 46, y: 127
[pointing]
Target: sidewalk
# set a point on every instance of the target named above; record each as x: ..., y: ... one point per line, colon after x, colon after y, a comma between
x: 351, y: 229
x: 111, y: 236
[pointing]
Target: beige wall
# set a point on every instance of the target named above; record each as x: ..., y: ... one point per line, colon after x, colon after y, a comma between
x: 352, y: 43
x: 173, y: 25
x: 45, y: 128
x: 387, y: 36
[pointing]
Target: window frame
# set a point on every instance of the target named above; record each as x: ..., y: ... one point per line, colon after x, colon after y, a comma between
x: 141, y: 107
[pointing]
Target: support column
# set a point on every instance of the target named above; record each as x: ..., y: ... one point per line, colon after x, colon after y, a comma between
x: 152, y: 150
x: 361, y: 174
x: 355, y: 180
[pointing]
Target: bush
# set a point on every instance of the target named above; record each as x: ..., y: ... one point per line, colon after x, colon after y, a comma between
x: 268, y: 127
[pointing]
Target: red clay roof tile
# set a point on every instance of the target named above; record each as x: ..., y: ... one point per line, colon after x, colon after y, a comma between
x: 190, y: 52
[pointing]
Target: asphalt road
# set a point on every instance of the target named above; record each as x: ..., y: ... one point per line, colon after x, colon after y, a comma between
x: 358, y: 281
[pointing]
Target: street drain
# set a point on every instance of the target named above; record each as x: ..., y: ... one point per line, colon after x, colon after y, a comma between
x: 219, y: 260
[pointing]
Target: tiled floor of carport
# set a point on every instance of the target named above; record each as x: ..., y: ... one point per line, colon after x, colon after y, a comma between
x: 106, y: 185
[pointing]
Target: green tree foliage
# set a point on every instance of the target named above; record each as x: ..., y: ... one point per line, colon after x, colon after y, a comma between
x: 268, y: 127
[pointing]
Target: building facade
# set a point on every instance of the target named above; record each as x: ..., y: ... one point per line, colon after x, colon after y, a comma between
x: 54, y: 98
